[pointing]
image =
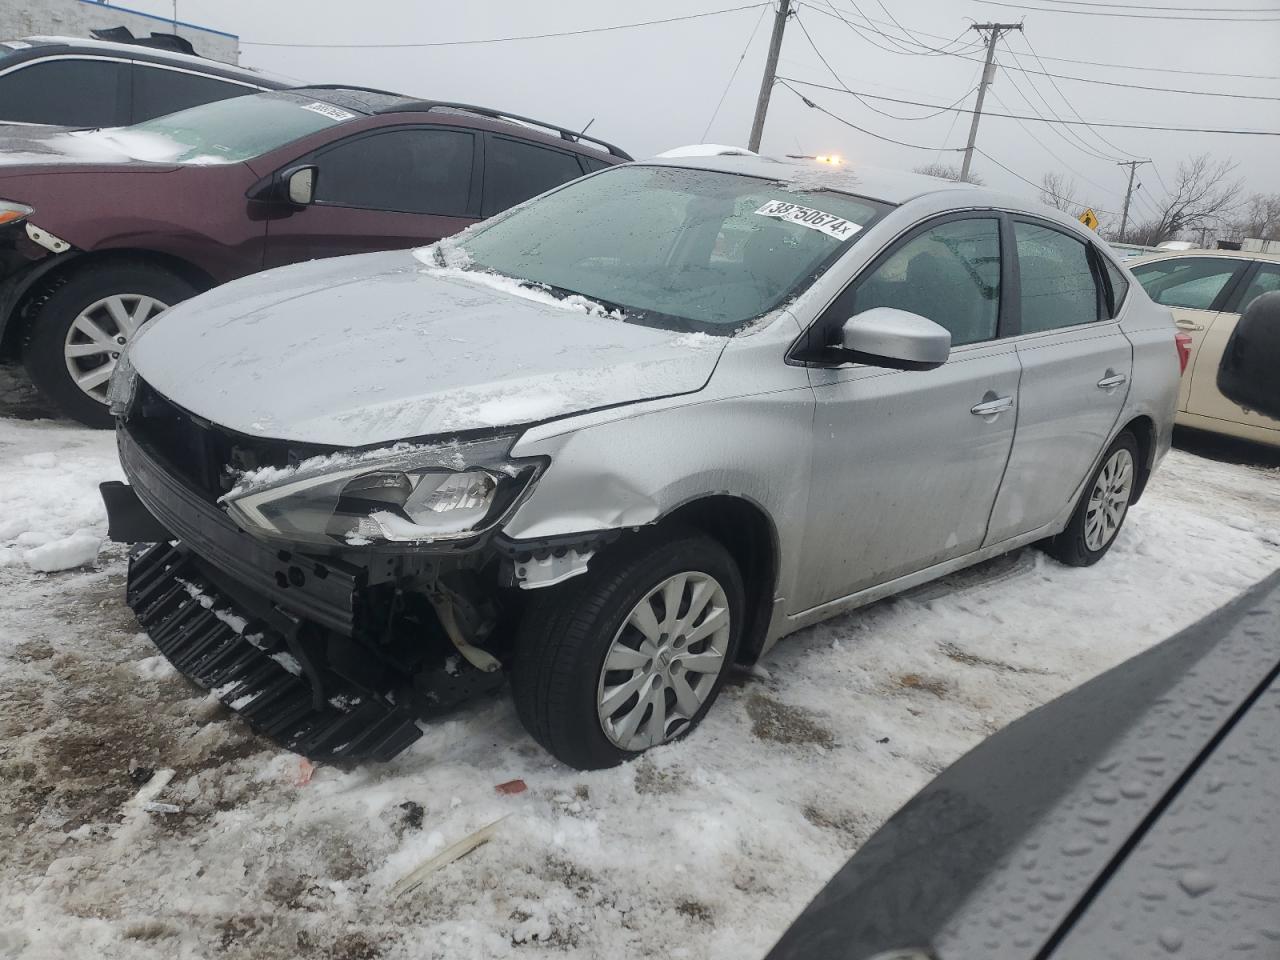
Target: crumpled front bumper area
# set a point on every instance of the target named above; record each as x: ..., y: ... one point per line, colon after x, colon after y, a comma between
x: 265, y: 677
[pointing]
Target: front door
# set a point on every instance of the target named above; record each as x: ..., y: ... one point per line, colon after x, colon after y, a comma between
x: 906, y: 464
x: 1076, y: 365
x: 385, y: 189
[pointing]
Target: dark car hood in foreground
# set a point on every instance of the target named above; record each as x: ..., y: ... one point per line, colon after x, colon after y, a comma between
x: 1131, y: 818
x: 379, y: 347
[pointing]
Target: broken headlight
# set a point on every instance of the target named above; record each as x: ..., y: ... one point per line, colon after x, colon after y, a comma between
x: 408, y: 493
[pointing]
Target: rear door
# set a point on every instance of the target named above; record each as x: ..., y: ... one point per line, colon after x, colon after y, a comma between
x: 906, y: 463
x: 1195, y: 289
x: 1203, y: 398
x: 383, y: 189
x: 1076, y: 365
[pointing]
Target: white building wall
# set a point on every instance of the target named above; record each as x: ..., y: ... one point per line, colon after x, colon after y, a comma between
x: 75, y: 18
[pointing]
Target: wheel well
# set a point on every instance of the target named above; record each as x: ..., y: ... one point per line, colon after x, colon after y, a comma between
x: 747, y: 533
x: 19, y: 316
x: 1144, y: 431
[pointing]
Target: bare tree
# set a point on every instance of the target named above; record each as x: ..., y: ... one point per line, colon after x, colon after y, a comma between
x: 1203, y: 194
x: 1056, y: 190
x: 945, y: 172
x: 1259, y: 218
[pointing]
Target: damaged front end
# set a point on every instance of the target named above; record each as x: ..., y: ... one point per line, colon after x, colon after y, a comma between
x: 330, y: 598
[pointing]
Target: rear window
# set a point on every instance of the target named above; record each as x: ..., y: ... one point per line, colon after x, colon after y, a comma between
x: 227, y: 131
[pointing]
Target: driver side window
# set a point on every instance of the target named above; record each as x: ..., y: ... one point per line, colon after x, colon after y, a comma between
x: 949, y: 274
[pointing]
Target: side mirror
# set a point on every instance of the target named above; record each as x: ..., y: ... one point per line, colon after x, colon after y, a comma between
x: 300, y: 185
x: 1248, y: 374
x: 885, y: 337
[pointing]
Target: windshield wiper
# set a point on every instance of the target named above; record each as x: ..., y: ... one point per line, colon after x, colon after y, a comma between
x: 563, y: 293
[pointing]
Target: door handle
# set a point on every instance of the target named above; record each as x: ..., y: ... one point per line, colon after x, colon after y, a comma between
x: 1111, y: 381
x: 991, y: 408
x: 1187, y: 325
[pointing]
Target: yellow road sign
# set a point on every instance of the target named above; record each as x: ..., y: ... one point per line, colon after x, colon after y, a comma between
x: 1089, y: 219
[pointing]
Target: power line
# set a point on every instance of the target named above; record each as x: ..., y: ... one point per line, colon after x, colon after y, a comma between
x: 1037, y: 186
x: 964, y: 55
x: 1070, y: 106
x: 736, y: 67
x: 1132, y: 16
x: 1143, y: 6
x: 1077, y: 123
x: 1073, y: 140
x: 848, y: 123
x: 838, y: 79
x: 534, y: 36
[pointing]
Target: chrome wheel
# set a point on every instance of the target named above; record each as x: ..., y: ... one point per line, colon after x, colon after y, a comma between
x: 664, y: 661
x: 96, y: 337
x: 1109, y: 500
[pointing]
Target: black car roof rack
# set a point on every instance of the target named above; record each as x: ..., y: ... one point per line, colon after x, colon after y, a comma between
x: 409, y: 105
x: 157, y: 41
x: 574, y: 136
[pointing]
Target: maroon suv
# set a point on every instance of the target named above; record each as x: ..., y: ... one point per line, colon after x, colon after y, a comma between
x: 102, y: 229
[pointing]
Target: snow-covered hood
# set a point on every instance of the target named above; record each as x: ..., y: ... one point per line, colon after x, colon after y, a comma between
x: 380, y: 347
x: 39, y: 148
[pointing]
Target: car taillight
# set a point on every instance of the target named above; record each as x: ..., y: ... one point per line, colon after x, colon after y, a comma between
x: 1183, y: 342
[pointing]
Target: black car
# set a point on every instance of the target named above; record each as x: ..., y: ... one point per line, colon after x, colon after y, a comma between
x: 71, y: 82
x: 1136, y: 817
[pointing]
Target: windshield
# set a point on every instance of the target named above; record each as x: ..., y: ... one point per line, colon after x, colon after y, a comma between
x: 225, y: 131
x: 685, y: 249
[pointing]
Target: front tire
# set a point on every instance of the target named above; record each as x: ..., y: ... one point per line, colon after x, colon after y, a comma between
x: 632, y: 653
x: 83, y: 321
x: 1102, y: 509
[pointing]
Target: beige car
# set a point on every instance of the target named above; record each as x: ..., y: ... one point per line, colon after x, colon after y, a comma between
x: 1207, y: 290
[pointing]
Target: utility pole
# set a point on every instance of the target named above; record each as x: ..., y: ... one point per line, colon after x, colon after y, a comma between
x: 1133, y: 166
x: 770, y: 69
x: 988, y: 74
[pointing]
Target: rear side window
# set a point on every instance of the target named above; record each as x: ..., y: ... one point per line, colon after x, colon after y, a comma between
x: 1189, y: 282
x: 157, y: 92
x: 515, y: 170
x: 1119, y: 284
x: 69, y: 93
x: 592, y: 164
x: 1266, y: 280
x: 949, y: 274
x: 410, y: 171
x: 1058, y: 288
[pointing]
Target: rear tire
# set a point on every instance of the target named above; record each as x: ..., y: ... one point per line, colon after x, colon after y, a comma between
x: 578, y: 708
x: 79, y: 318
x: 1103, y: 507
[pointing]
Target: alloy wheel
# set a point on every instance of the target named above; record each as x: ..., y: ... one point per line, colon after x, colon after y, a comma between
x: 664, y: 661
x: 1109, y: 500
x: 98, y: 334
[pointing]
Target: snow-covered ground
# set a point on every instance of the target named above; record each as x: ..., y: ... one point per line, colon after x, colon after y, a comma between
x: 704, y: 849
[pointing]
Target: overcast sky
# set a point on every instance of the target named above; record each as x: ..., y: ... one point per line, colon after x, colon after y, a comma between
x: 651, y: 88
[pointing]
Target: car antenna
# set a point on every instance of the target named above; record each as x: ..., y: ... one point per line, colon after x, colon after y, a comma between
x: 587, y: 127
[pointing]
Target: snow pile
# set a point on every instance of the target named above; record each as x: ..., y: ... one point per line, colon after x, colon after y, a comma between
x: 51, y: 514
x: 705, y: 150
x: 444, y: 259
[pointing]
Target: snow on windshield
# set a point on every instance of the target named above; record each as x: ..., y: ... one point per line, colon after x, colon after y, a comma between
x: 114, y: 143
x: 446, y: 258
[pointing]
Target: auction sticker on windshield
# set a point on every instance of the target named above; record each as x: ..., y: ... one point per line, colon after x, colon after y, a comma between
x: 328, y: 110
x: 827, y: 223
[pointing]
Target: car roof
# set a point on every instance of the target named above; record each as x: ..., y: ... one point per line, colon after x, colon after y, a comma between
x: 864, y: 180
x: 1183, y: 254
x: 41, y: 44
